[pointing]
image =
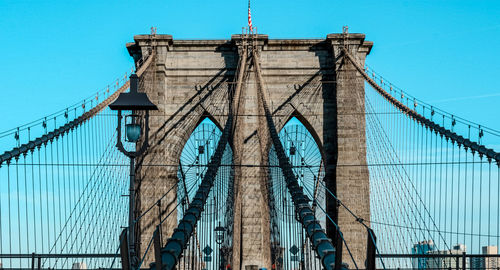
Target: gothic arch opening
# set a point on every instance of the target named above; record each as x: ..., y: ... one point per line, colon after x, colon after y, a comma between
x: 296, y: 116
x: 290, y: 247
x: 207, y: 248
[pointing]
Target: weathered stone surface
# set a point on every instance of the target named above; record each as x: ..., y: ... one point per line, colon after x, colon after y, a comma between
x: 304, y: 78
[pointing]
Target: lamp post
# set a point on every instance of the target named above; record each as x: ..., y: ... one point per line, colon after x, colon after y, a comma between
x: 135, y: 102
x: 219, y: 239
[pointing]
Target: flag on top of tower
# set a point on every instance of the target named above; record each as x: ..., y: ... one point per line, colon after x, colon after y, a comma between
x: 249, y: 18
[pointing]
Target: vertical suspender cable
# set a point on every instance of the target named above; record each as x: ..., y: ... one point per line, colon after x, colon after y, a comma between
x: 9, y: 211
x: 472, y: 206
x: 1, y: 231
x: 465, y: 193
x: 480, y: 200
x: 446, y: 191
x: 489, y: 202
x: 26, y: 206
x: 18, y: 209
x: 452, y: 202
x: 33, y: 199
x: 498, y: 203
x: 458, y: 193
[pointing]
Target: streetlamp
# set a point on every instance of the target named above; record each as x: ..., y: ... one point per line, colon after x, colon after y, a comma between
x: 219, y: 239
x: 135, y: 102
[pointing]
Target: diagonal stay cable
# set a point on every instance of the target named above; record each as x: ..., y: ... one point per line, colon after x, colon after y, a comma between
x: 312, y: 195
x: 481, y: 149
x: 38, y: 142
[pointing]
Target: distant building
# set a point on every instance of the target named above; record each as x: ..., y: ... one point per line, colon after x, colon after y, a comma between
x: 447, y: 262
x: 422, y: 247
x: 476, y: 263
x: 484, y: 262
x: 491, y: 263
x: 79, y: 265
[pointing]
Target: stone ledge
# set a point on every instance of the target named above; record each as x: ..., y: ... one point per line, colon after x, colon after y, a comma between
x: 271, y: 44
x: 352, y: 39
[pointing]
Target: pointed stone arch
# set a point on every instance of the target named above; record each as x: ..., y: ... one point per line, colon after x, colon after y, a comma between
x: 157, y: 173
x: 197, y: 154
x: 310, y: 129
x: 207, y: 115
x: 302, y: 147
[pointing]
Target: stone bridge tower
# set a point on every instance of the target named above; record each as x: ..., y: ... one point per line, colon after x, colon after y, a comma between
x: 305, y: 78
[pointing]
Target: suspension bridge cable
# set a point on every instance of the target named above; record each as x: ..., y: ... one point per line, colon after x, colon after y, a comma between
x: 388, y: 145
x: 490, y: 153
x: 311, y: 195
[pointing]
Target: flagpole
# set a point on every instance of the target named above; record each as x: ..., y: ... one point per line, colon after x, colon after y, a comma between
x: 250, y: 28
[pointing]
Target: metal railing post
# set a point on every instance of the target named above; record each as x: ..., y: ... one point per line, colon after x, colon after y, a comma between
x: 371, y: 249
x: 131, y: 216
x: 464, y: 261
x: 124, y: 252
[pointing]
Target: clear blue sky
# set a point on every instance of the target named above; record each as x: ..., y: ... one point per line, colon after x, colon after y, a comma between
x: 55, y: 53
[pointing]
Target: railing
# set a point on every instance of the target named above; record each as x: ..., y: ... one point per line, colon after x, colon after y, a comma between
x: 455, y: 261
x: 36, y: 259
